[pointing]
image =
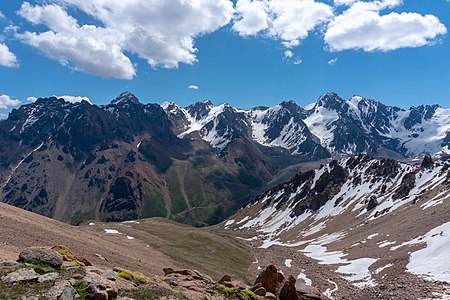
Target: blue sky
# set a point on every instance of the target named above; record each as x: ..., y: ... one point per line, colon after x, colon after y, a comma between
x: 239, y: 58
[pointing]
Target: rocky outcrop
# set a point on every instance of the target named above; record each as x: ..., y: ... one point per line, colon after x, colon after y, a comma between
x: 73, y: 280
x: 42, y: 255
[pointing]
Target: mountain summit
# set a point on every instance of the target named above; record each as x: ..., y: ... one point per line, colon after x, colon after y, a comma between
x: 126, y: 97
x: 198, y: 164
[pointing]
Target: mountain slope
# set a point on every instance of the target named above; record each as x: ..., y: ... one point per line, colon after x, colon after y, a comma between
x: 167, y: 244
x: 121, y: 161
x: 368, y: 220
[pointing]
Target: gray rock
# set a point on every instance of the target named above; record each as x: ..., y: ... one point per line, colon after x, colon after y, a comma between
x: 97, y: 292
x: 49, y: 277
x: 270, y: 296
x: 308, y: 290
x: 97, y: 286
x: 68, y: 293
x: 20, y: 275
x: 43, y: 255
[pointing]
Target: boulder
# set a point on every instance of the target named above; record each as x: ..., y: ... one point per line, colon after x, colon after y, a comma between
x: 96, y: 292
x: 270, y: 296
x: 68, y: 293
x: 308, y: 292
x: 83, y: 260
x: 20, y: 275
x: 167, y: 271
x: 373, y: 202
x: 287, y: 290
x: 98, y: 286
x: 42, y: 255
x: 225, y: 278
x: 260, y: 291
x: 270, y: 279
x: 49, y: 277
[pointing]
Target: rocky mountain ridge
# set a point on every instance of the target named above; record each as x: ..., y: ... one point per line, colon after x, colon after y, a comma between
x: 329, y: 127
x: 128, y: 160
x: 369, y: 221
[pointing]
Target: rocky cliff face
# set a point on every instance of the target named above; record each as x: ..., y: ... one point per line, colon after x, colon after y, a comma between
x: 122, y: 161
x: 329, y: 127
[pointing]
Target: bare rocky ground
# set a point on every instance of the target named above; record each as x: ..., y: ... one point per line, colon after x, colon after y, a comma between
x: 58, y: 274
x: 394, y: 282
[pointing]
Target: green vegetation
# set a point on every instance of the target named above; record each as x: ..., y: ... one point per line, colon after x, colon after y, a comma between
x: 154, y: 207
x: 249, y: 295
x: 181, y: 296
x: 78, y: 217
x: 226, y: 291
x: 136, y: 277
x: 192, y: 248
x: 46, y: 267
x: 21, y: 289
x: 81, y: 290
x: 66, y: 252
x: 248, y: 179
x: 79, y: 263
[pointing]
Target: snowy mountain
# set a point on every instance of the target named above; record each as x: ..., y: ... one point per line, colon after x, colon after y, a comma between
x: 329, y: 127
x: 370, y: 221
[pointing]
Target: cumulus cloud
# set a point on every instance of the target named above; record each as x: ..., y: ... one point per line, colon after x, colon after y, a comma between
x: 161, y: 32
x: 193, y: 87
x: 290, y: 58
x: 7, y: 58
x: 88, y: 48
x: 363, y: 27
x: 6, y: 101
x: 286, y: 20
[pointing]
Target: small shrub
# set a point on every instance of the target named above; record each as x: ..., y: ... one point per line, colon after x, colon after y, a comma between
x: 226, y: 290
x: 126, y: 275
x: 136, y: 277
x: 80, y: 288
x: 79, y: 263
x: 66, y: 252
x: 181, y: 296
x: 46, y: 267
x: 249, y: 295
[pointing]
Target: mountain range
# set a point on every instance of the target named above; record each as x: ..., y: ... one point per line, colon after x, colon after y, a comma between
x: 197, y: 164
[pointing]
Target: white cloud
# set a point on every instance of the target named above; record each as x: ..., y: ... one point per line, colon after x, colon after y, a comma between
x: 363, y: 27
x: 193, y: 87
x: 6, y: 101
x: 7, y: 58
x: 88, y: 48
x: 344, y: 2
x: 288, y: 54
x: 161, y: 32
x: 2, y: 16
x: 286, y: 20
x: 3, y: 116
x: 332, y: 61
x: 32, y: 99
x: 290, y: 58
x: 251, y: 17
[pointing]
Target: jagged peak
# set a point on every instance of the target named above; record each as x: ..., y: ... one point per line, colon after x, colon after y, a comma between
x: 126, y: 97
